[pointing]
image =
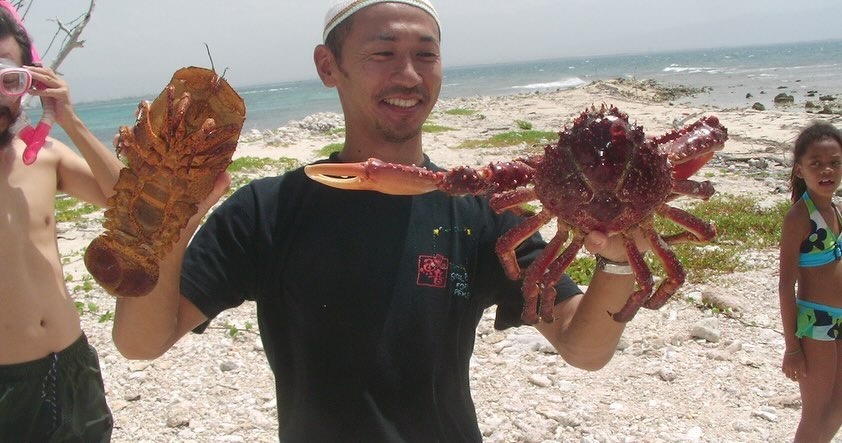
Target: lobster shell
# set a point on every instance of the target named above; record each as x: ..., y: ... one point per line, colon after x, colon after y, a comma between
x: 178, y: 146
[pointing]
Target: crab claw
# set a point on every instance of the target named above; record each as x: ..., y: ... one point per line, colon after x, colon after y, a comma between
x: 692, y: 147
x: 376, y: 175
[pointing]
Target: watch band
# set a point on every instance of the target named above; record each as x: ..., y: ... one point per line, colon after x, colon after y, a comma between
x: 613, y: 267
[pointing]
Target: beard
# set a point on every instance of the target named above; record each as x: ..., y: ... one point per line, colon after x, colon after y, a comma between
x: 398, y: 135
x: 10, y: 118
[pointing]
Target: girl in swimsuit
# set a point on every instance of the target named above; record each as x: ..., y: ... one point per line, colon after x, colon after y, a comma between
x: 810, y: 282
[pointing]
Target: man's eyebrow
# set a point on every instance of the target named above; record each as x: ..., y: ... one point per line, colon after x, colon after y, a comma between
x: 385, y: 37
x: 429, y: 38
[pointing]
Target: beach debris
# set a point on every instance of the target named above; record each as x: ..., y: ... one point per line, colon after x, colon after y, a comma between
x: 178, y: 146
x: 784, y: 99
x: 603, y: 174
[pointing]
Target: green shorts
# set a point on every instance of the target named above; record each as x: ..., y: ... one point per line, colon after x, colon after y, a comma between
x: 59, y: 398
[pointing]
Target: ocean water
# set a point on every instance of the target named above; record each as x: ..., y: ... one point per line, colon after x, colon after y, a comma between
x: 730, y: 73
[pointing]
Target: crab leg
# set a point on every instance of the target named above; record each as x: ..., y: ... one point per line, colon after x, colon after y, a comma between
x: 376, y: 175
x: 530, y: 286
x: 698, y: 231
x: 675, y: 272
x: 507, y: 242
x: 554, y: 272
x: 642, y: 274
x: 512, y: 200
x: 398, y: 179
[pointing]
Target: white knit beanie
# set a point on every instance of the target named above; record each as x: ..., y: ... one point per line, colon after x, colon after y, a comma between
x: 342, y: 9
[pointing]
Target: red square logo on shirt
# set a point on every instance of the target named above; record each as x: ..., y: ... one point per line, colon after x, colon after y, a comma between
x: 432, y: 270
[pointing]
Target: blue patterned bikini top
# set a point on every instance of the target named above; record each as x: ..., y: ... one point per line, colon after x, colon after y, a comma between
x: 820, y: 247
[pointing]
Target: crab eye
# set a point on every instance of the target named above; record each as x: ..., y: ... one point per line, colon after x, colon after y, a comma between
x: 618, y: 130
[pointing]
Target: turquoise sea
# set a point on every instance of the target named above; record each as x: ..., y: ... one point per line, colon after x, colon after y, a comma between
x: 731, y: 73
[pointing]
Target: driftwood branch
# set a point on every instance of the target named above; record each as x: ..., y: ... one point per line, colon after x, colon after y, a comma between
x: 72, y: 41
x: 729, y: 158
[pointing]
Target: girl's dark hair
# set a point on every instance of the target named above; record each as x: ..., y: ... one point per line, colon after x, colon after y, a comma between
x: 817, y: 131
x: 10, y: 26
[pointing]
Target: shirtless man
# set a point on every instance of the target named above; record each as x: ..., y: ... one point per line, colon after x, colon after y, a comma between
x: 50, y: 383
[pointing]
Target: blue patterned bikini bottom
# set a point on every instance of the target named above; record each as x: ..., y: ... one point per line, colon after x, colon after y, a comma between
x: 819, y: 322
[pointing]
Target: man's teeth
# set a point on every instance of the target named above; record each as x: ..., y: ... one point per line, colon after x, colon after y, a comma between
x: 401, y: 102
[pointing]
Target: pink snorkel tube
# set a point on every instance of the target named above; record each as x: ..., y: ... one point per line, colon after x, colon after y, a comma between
x: 33, y: 137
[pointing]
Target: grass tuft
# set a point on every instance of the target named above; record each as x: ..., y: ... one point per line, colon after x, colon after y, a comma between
x: 71, y: 209
x: 461, y: 111
x: 742, y: 225
x: 330, y: 149
x: 511, y: 138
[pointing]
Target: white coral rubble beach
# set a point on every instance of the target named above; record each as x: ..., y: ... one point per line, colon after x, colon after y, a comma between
x: 680, y: 374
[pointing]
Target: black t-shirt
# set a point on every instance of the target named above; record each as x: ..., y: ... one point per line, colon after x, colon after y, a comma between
x: 367, y: 303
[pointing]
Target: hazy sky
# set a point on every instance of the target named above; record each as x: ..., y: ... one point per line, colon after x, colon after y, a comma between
x: 133, y: 47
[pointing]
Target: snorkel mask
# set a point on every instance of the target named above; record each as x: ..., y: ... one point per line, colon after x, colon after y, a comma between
x: 16, y: 81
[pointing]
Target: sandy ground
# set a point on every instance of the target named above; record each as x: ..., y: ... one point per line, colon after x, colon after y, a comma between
x: 680, y: 374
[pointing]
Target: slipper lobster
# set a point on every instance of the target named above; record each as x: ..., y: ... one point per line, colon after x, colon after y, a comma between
x: 603, y: 175
x: 178, y: 146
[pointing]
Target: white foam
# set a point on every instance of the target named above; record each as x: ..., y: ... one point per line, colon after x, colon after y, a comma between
x: 560, y: 84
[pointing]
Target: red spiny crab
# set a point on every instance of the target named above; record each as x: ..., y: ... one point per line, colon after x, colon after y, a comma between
x: 603, y: 174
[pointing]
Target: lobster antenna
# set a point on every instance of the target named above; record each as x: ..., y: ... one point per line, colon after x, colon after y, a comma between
x: 213, y: 68
x: 207, y: 48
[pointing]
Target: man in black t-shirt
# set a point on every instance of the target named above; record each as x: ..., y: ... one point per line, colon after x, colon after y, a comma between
x: 367, y: 303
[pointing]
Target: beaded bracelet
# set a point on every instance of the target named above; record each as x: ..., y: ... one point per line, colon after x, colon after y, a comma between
x: 793, y: 352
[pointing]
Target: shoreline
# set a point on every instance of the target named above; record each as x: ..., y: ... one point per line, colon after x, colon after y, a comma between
x: 657, y: 107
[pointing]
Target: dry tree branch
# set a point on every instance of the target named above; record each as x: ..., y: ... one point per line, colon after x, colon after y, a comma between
x: 71, y: 31
x: 72, y: 40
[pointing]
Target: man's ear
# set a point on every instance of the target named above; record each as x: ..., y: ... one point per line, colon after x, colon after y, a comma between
x: 325, y: 65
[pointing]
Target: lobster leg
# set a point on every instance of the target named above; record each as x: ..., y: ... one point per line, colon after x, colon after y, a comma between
x: 141, y: 134
x: 174, y: 129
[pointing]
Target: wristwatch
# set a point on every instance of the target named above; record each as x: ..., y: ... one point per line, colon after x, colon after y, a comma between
x: 613, y: 267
